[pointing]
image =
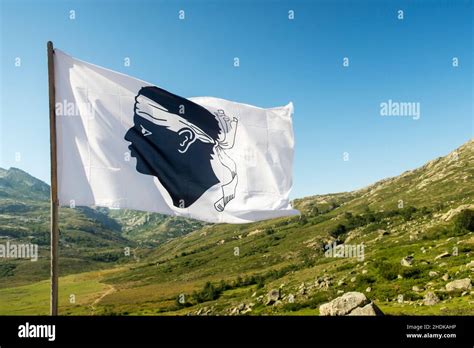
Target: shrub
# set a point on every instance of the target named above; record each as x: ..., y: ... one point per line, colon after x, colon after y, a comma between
x: 465, y: 220
x: 269, y: 231
x: 385, y: 292
x: 364, y: 280
x: 388, y: 270
x: 407, y: 212
x: 412, y: 272
x: 260, y: 282
x: 105, y: 257
x: 302, y: 220
x: 411, y: 296
x: 338, y: 231
x: 208, y: 293
x: 292, y: 307
x: 7, y: 270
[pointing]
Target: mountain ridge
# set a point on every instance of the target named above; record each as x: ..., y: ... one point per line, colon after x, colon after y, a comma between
x: 424, y: 215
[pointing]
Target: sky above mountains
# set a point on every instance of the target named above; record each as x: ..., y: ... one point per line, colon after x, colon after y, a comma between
x: 337, y: 61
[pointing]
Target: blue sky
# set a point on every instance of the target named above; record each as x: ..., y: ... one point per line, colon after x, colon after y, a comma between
x: 337, y: 109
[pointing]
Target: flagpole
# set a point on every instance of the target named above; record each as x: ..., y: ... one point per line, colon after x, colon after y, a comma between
x: 54, y: 183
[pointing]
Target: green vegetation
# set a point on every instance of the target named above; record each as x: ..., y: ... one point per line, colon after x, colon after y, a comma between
x: 179, y: 267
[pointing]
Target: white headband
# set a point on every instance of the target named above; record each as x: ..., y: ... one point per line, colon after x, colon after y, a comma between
x: 156, y: 113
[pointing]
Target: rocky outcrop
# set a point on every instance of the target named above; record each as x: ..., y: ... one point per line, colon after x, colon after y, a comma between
x: 430, y: 299
x: 407, y: 261
x: 368, y: 310
x: 459, y: 284
x: 272, y: 296
x: 351, y: 303
x: 241, y: 309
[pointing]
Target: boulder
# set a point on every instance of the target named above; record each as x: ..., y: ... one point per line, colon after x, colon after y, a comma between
x: 291, y: 298
x: 430, y: 299
x: 433, y: 273
x: 272, y: 296
x: 344, y: 304
x: 368, y: 310
x: 445, y: 277
x: 302, y: 289
x: 407, y: 261
x: 459, y: 284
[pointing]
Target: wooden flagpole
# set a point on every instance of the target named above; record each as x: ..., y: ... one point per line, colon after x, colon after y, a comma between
x: 54, y: 183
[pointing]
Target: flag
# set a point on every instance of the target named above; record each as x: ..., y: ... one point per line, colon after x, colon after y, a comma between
x: 125, y: 143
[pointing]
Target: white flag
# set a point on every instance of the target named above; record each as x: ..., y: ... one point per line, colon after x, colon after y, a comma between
x: 124, y: 143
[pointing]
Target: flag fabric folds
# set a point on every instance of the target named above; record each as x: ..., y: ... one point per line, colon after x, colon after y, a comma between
x: 125, y: 143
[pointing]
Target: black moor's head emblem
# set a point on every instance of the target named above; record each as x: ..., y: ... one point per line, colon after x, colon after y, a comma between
x: 175, y: 140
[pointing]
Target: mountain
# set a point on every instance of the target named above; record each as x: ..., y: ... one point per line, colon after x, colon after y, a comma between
x: 152, y: 228
x: 404, y: 239
x: 424, y: 217
x: 17, y: 184
x: 89, y: 238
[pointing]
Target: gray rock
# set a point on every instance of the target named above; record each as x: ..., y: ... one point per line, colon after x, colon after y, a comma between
x: 291, y: 298
x: 368, y: 310
x: 459, y: 284
x: 407, y: 261
x: 433, y: 273
x: 272, y: 296
x: 430, y: 299
x: 445, y: 277
x: 343, y: 305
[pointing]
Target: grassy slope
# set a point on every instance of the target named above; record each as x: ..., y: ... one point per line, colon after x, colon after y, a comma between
x: 285, y: 253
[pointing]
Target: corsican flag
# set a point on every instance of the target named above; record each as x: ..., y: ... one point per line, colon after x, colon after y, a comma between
x: 124, y: 143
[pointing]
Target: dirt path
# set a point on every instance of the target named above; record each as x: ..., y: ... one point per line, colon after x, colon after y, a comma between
x: 109, y: 291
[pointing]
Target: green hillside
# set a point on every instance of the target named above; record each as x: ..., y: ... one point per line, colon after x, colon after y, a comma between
x: 89, y: 238
x: 416, y: 231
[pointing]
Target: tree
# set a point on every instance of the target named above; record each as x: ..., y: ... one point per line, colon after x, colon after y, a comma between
x: 465, y: 220
x: 338, y: 230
